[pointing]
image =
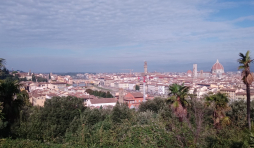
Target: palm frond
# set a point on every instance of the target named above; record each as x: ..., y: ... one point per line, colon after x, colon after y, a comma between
x: 247, y: 55
x: 241, y: 55
x: 241, y: 67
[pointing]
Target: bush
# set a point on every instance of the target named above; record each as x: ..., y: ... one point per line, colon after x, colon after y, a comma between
x: 152, y: 105
x: 51, y: 121
x: 65, y: 121
x: 121, y: 112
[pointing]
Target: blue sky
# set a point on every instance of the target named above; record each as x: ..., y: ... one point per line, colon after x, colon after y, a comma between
x: 110, y: 35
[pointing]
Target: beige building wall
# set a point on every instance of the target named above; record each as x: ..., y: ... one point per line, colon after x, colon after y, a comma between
x: 38, y: 101
x: 243, y: 96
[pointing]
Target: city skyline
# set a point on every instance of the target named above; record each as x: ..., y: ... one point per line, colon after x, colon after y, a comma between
x: 107, y: 36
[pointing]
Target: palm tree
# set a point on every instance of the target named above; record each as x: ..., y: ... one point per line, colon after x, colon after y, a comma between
x: 219, y: 102
x: 247, y: 78
x: 178, y: 94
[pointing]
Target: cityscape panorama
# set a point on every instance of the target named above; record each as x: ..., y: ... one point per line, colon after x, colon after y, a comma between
x: 127, y: 73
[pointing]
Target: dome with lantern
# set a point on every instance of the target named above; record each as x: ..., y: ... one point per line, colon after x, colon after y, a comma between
x: 217, y: 68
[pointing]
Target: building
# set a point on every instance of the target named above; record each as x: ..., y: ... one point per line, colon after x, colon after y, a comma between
x: 189, y: 73
x: 217, y: 68
x: 230, y: 92
x: 145, y: 67
x: 201, y: 74
x: 243, y: 96
x: 58, y: 85
x: 103, y: 102
x: 133, y: 99
x: 195, y: 71
x: 121, y: 96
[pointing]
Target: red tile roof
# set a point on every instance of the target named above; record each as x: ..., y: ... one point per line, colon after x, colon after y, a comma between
x: 103, y: 100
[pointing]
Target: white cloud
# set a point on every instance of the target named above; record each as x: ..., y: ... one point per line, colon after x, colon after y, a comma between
x: 83, y: 26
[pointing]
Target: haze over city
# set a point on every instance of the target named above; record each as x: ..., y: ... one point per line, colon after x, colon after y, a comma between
x: 107, y: 36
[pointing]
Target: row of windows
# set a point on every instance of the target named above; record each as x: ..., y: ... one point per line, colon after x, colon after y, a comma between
x: 134, y: 101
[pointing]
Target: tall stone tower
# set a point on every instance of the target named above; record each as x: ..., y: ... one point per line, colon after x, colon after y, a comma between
x: 145, y: 67
x: 121, y: 96
x: 201, y: 73
x: 195, y: 68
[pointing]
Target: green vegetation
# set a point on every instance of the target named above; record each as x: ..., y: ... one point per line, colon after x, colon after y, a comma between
x: 38, y: 79
x: 219, y: 103
x: 137, y: 87
x: 101, y: 88
x: 101, y: 94
x: 177, y: 98
x: 64, y: 122
x: 4, y: 74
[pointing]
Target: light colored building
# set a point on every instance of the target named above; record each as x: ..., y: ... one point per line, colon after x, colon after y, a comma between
x: 189, y: 73
x: 151, y: 88
x: 123, y: 85
x: 145, y: 67
x: 103, y: 102
x: 243, y: 96
x: 217, y: 69
x: 161, y: 89
x: 131, y: 86
x: 230, y: 92
x: 57, y: 85
x: 195, y: 71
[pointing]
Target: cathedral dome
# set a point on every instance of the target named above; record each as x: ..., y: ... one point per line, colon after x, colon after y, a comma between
x: 217, y: 67
x: 189, y: 72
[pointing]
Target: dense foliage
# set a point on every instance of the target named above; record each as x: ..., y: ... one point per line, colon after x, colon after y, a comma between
x: 64, y: 122
x: 38, y: 79
x: 137, y: 87
x: 101, y: 94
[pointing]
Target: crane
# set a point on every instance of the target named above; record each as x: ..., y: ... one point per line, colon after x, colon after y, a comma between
x: 128, y: 69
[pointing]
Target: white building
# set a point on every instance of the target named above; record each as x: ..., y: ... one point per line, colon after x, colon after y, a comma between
x: 104, y: 102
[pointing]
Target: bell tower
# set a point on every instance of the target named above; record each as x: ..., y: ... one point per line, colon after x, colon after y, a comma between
x: 145, y: 67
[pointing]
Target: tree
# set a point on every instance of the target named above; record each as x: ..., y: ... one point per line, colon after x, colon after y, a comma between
x: 219, y: 102
x: 89, y: 91
x: 4, y: 73
x: 108, y: 95
x: 2, y: 123
x: 154, y: 105
x: 120, y: 112
x: 33, y: 78
x: 2, y: 68
x: 51, y: 121
x: 11, y: 106
x: 24, y: 96
x: 2, y: 63
x: 178, y: 94
x: 137, y: 87
x: 238, y: 113
x: 247, y: 78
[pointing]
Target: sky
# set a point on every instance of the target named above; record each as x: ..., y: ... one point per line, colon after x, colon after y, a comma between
x: 112, y: 35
